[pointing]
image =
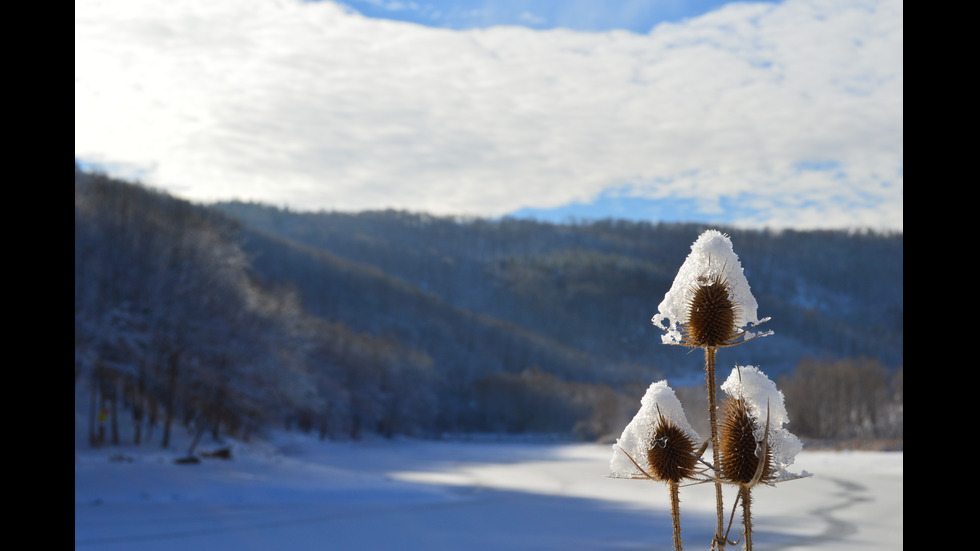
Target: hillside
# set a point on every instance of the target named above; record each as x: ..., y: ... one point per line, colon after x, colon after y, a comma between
x: 831, y: 295
x: 233, y: 317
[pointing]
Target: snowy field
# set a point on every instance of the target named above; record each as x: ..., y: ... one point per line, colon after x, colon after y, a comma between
x: 297, y: 493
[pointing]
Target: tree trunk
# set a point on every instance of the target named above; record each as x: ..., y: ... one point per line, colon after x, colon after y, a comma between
x: 171, y: 392
x: 138, y: 399
x: 216, y: 415
x: 114, y: 415
x: 93, y: 411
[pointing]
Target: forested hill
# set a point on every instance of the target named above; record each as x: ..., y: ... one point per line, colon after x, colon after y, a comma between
x: 238, y: 315
x: 594, y: 286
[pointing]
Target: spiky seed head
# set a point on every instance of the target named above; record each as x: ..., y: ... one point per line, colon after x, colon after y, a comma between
x: 739, y: 449
x: 671, y: 452
x: 711, y: 313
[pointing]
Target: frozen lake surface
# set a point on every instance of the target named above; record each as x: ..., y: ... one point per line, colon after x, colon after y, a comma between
x: 297, y: 493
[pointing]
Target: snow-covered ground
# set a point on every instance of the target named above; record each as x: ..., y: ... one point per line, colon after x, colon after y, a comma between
x: 297, y: 493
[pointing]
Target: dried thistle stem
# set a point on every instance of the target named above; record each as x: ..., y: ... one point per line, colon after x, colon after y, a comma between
x: 675, y: 513
x: 746, y: 494
x: 710, y: 356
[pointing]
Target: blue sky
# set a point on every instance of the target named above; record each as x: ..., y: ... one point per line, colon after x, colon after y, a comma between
x: 639, y: 16
x: 754, y: 114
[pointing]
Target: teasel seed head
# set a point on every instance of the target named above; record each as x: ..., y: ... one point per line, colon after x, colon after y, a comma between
x: 741, y: 453
x: 709, y: 304
x: 671, y: 452
x: 658, y: 443
x: 711, y: 313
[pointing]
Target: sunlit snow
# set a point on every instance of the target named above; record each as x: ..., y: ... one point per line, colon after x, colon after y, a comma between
x: 297, y: 493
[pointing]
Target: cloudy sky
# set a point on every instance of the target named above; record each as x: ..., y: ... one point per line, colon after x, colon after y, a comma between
x: 778, y: 114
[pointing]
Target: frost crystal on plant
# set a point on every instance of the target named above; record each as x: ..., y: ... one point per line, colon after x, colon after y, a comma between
x: 636, y: 438
x: 763, y: 399
x: 712, y: 259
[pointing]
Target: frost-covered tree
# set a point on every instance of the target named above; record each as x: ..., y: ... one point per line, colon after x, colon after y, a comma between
x: 168, y: 315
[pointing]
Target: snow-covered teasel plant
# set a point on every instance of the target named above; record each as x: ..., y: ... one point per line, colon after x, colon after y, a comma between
x: 710, y: 306
x: 765, y: 405
x: 659, y: 409
x: 659, y: 444
x: 755, y: 447
x: 710, y: 302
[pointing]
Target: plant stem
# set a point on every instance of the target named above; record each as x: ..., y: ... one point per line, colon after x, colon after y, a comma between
x: 710, y: 355
x: 675, y: 513
x: 747, y: 515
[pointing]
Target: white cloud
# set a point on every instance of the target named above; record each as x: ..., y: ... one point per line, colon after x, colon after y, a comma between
x: 310, y: 105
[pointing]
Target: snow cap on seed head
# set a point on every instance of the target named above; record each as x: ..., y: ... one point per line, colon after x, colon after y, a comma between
x: 762, y: 400
x: 658, y: 401
x: 712, y: 259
